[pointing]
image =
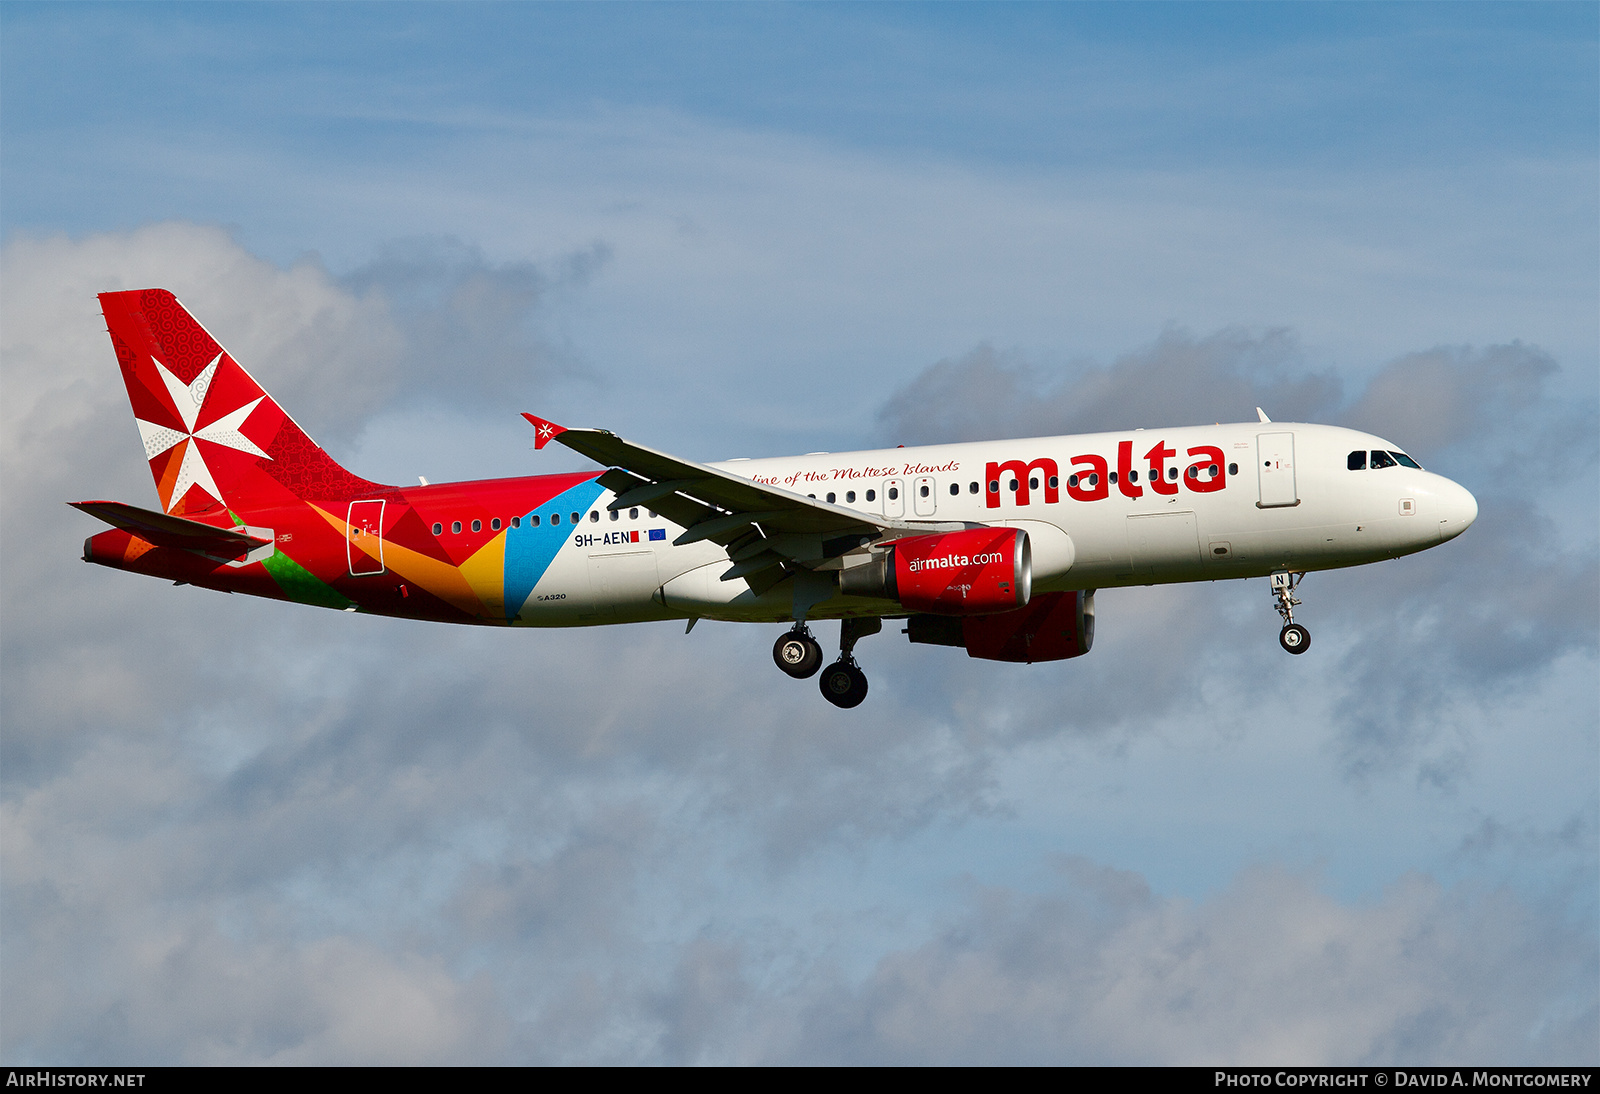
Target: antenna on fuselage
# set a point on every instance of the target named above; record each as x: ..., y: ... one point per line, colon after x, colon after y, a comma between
x: 1262, y: 414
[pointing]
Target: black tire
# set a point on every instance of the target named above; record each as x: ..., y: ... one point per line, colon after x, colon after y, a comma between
x: 843, y: 685
x: 799, y: 655
x: 1294, y: 638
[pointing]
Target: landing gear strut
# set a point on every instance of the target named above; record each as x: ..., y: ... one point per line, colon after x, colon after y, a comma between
x: 797, y: 653
x: 843, y: 683
x: 1294, y: 638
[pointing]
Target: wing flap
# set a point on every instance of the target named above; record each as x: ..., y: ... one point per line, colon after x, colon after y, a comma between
x: 706, y: 501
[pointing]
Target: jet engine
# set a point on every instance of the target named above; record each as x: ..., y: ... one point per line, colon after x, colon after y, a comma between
x: 1052, y: 627
x: 975, y: 571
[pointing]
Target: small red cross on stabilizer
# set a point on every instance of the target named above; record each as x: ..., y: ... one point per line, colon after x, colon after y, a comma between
x: 543, y: 432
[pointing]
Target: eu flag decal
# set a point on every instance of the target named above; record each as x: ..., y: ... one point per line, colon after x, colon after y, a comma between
x: 658, y: 533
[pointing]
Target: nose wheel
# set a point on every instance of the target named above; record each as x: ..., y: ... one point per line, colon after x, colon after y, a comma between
x: 797, y: 653
x: 1293, y: 638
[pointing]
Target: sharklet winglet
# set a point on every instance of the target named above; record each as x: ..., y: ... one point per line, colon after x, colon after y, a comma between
x: 543, y: 432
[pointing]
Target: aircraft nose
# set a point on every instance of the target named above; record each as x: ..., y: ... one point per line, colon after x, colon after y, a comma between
x: 1457, y: 510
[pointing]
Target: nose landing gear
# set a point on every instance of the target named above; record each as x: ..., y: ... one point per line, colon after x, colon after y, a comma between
x: 1294, y: 638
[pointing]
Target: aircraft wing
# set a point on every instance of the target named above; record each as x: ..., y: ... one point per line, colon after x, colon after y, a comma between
x: 766, y: 529
x: 169, y: 531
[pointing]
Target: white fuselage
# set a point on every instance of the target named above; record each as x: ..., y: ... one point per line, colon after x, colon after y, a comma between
x: 1100, y: 510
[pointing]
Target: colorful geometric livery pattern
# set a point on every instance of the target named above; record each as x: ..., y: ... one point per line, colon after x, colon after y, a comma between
x: 224, y: 455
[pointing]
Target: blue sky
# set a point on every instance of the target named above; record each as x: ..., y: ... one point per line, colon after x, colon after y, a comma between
x: 285, y: 835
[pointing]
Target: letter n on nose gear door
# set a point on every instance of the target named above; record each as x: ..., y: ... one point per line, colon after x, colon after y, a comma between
x: 363, y: 543
x: 1275, y: 470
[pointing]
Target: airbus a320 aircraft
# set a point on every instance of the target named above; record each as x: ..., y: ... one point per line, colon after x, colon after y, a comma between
x: 996, y: 547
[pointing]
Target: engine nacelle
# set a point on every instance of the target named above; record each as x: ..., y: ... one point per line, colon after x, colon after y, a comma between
x: 1053, y: 627
x: 976, y: 571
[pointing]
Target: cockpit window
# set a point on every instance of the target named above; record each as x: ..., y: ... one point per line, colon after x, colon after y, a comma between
x: 1405, y: 460
x: 1380, y: 458
x: 1357, y: 461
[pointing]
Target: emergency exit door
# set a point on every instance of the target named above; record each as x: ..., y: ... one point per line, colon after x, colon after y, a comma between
x: 1275, y: 470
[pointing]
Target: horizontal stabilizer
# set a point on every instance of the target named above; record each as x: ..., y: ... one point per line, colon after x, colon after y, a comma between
x: 167, y: 531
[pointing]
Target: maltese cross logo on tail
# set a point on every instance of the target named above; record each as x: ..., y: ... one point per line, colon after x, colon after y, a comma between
x: 189, y: 400
x: 543, y: 432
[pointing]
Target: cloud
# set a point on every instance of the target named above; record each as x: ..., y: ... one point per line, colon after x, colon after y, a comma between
x: 1223, y: 377
x: 1440, y: 397
x: 328, y: 352
x: 1267, y: 972
x: 1492, y: 611
x: 471, y: 335
x: 241, y: 831
x: 1489, y: 612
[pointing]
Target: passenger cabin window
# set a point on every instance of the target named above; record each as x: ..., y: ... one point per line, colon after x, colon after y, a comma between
x: 850, y: 497
x: 555, y: 518
x: 924, y: 491
x: 1233, y: 469
x: 972, y: 488
x: 594, y: 516
x: 438, y: 529
x: 1357, y: 461
x: 894, y: 493
x: 872, y: 495
x: 455, y: 526
x: 477, y: 526
x: 633, y: 514
x: 830, y: 498
x: 1380, y: 458
x: 516, y: 522
x: 494, y: 524
x: 955, y: 488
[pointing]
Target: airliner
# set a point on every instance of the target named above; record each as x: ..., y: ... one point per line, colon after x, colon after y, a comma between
x: 995, y: 547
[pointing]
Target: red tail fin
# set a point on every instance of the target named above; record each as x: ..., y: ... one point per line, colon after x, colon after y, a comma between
x: 212, y: 435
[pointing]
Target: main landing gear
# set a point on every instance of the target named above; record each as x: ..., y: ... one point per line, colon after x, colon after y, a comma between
x: 1294, y: 638
x: 797, y: 653
x: 843, y: 683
